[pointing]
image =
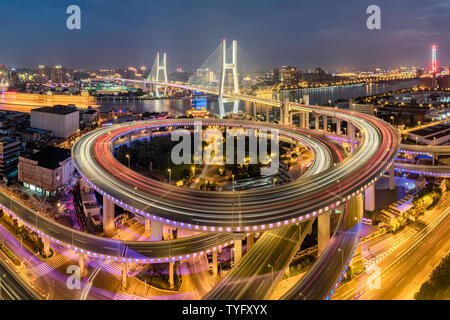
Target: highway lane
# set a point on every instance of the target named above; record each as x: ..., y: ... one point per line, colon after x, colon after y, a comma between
x: 320, y: 281
x: 258, y: 210
x: 12, y: 287
x: 153, y: 251
x: 428, y: 170
x: 252, y: 279
x: 262, y: 267
x: 417, y: 249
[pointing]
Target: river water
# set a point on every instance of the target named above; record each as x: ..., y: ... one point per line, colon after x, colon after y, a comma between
x: 317, y: 96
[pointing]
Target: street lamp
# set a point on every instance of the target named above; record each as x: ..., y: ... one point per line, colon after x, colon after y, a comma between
x: 128, y: 157
x: 270, y: 266
x: 170, y: 175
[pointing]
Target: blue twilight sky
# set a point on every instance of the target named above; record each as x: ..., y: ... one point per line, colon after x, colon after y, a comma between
x: 304, y: 33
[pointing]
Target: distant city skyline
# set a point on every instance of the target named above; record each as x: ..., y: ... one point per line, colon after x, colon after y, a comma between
x: 325, y: 33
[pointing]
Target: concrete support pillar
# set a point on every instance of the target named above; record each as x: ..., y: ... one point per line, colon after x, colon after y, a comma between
x: 338, y: 126
x: 316, y: 122
x: 81, y: 262
x: 129, y: 136
x: 124, y: 275
x: 250, y: 241
x: 268, y: 114
x: 150, y: 134
x: 108, y: 215
x: 285, y: 111
x: 306, y: 118
x: 323, y: 226
x: 171, y: 282
x: 352, y: 138
x: 309, y: 230
x: 305, y: 99
x: 254, y: 112
x: 147, y: 225
x: 156, y: 231
x: 46, y: 250
x: 291, y: 119
x: 214, y: 263
x: 237, y: 251
x: 391, y: 178
x: 369, y: 198
x: 325, y: 124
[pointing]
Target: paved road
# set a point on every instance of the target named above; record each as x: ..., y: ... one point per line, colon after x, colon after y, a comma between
x: 260, y: 269
x: 320, y: 280
x: 12, y: 287
x: 258, y: 209
x: 405, y: 259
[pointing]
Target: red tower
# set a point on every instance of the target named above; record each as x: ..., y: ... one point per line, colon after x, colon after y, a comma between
x: 433, y: 59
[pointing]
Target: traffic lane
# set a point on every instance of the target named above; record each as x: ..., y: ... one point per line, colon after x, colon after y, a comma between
x: 399, y: 280
x: 111, y: 247
x: 252, y: 278
x: 421, y: 229
x: 321, y: 278
x: 12, y: 289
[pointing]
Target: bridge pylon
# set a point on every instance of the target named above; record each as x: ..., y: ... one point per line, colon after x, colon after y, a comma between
x: 161, y: 68
x: 229, y: 66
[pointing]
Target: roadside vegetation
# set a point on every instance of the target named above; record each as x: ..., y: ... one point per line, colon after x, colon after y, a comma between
x: 437, y: 287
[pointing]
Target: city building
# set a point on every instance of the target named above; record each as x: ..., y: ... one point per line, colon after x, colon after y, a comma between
x: 434, y: 135
x: 288, y: 74
x: 63, y: 121
x: 47, y: 170
x: 362, y: 108
x: 9, y: 157
x: 89, y: 116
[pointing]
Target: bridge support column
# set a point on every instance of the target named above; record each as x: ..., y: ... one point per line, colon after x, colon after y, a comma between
x: 316, y: 122
x: 369, y: 198
x: 149, y: 134
x: 254, y: 112
x: 291, y: 119
x: 156, y: 232
x: 147, y: 225
x: 108, y: 215
x: 237, y: 251
x: 81, y: 262
x: 338, y: 126
x: 171, y: 282
x: 352, y: 138
x: 129, y: 136
x: 46, y: 250
x: 325, y: 124
x: 391, y: 178
x: 214, y: 263
x: 268, y: 114
x: 124, y: 275
x: 250, y: 241
x: 323, y: 226
x: 305, y: 99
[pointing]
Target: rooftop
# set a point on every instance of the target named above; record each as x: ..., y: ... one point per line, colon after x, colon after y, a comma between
x: 57, y: 109
x: 49, y: 157
x: 431, y: 131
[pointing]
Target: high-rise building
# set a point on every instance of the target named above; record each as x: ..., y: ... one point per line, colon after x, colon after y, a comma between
x: 9, y: 157
x: 288, y: 74
x: 276, y: 74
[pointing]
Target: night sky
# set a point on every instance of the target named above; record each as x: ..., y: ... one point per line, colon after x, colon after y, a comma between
x: 304, y: 33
